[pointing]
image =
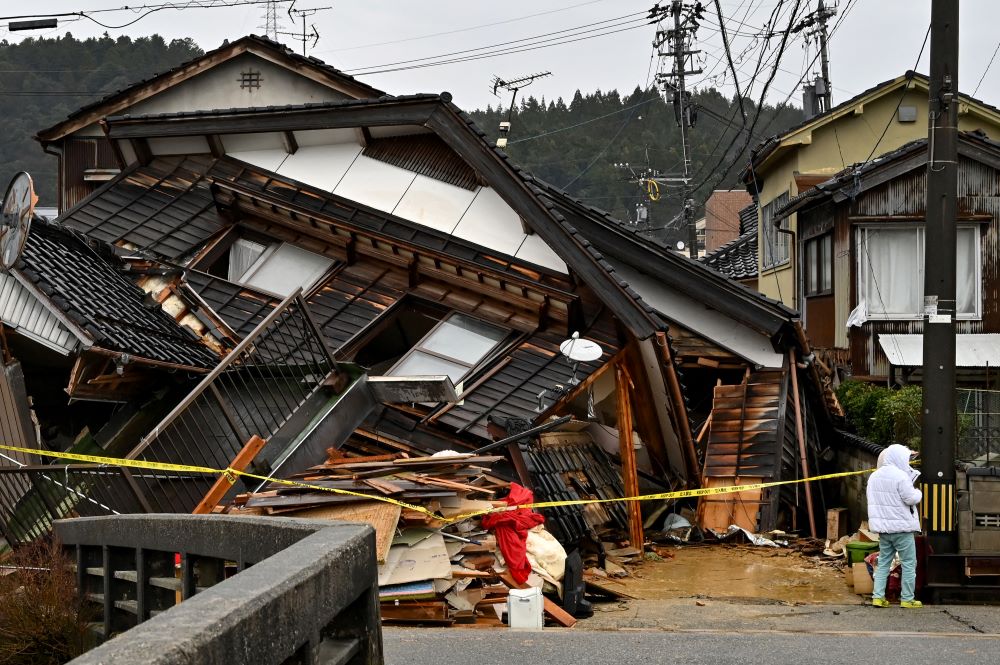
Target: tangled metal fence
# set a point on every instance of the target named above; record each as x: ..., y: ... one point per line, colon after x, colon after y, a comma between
x: 254, y: 391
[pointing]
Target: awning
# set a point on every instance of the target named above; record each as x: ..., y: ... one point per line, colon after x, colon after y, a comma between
x: 971, y: 350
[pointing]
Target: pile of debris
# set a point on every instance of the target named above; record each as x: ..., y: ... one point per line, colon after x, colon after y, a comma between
x: 440, y: 562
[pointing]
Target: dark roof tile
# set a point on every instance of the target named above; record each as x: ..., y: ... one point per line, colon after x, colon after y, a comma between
x: 85, y: 282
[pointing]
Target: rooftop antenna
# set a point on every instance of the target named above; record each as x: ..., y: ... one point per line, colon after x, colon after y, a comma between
x: 307, y: 33
x: 512, y: 86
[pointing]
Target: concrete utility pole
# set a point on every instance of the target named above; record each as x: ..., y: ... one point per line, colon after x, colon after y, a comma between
x: 817, y: 96
x: 680, y: 40
x: 938, y: 428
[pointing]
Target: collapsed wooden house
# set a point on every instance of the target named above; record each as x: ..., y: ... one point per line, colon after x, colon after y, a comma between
x: 293, y: 243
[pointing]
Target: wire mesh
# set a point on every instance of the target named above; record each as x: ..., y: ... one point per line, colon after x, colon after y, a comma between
x: 978, y: 426
x: 255, y: 390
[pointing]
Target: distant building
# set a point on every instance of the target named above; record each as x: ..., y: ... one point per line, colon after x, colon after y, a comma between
x: 722, y: 218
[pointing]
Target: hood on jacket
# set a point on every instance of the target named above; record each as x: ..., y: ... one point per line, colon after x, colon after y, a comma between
x: 898, y: 456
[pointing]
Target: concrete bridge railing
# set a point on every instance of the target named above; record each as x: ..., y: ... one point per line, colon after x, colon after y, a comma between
x: 212, y: 589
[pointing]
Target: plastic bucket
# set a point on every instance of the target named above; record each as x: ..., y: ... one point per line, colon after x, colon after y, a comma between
x: 857, y: 551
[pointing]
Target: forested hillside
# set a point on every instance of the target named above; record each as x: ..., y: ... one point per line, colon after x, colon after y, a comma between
x: 576, y: 146
x: 43, y: 80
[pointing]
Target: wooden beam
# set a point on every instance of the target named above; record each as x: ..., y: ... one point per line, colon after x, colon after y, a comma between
x: 215, y: 145
x: 677, y: 397
x: 800, y: 435
x: 363, y: 135
x: 630, y: 475
x: 222, y: 484
x: 142, y: 152
x: 289, y: 143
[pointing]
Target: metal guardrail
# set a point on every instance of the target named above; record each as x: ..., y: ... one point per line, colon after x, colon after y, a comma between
x: 301, y: 591
x: 256, y: 389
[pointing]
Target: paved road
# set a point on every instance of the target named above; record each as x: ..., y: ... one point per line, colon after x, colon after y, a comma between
x: 457, y: 646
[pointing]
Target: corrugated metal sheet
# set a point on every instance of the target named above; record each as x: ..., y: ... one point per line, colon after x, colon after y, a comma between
x: 425, y: 154
x: 979, y: 194
x: 78, y: 156
x: 979, y: 350
x: 21, y: 310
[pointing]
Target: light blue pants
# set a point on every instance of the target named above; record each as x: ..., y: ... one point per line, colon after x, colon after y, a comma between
x: 888, y: 545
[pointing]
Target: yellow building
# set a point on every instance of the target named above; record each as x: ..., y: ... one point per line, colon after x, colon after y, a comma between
x: 858, y: 130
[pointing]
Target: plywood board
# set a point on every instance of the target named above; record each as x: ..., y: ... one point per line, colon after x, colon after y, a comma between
x: 427, y: 560
x: 382, y: 516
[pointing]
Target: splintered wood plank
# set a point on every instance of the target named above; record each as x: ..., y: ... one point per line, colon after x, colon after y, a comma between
x: 718, y: 512
x: 630, y: 474
x: 223, y: 483
x: 381, y: 515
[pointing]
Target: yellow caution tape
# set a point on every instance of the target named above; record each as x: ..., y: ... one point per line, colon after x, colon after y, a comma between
x: 230, y: 474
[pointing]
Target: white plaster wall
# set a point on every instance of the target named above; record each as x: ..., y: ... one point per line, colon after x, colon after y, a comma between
x: 219, y: 88
x: 689, y: 312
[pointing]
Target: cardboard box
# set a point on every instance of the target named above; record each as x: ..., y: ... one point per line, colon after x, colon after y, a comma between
x: 849, y: 576
x: 863, y: 582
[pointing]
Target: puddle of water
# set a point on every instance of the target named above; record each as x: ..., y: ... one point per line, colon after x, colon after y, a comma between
x: 721, y: 571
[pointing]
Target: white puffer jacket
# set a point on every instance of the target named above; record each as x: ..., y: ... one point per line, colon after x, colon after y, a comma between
x: 892, y: 498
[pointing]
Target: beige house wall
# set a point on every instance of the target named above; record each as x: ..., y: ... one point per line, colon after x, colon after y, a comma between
x: 830, y: 144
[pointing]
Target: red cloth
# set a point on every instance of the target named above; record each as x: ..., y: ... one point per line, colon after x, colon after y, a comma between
x: 511, y: 529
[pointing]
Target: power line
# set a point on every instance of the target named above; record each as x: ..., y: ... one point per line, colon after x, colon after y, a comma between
x: 145, y: 10
x: 902, y: 96
x: 537, y: 39
x: 459, y: 30
x: 987, y: 70
x: 585, y: 122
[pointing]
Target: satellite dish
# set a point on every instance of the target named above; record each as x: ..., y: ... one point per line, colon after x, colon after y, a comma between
x: 580, y: 350
x: 15, y: 218
x: 680, y: 245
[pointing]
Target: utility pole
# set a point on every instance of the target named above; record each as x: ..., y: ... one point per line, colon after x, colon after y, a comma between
x: 817, y: 96
x: 938, y: 428
x: 679, y: 41
x: 512, y: 86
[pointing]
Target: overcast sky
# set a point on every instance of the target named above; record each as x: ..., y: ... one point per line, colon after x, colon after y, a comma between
x: 875, y: 40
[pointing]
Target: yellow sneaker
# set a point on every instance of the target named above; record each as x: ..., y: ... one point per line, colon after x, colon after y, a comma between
x: 911, y: 604
x: 880, y: 602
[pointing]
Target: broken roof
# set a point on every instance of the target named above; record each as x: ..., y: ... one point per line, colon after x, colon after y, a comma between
x: 82, y: 280
x: 273, y: 51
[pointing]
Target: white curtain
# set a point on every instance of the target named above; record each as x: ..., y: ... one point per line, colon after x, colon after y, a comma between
x: 242, y: 255
x: 965, y: 274
x: 892, y: 265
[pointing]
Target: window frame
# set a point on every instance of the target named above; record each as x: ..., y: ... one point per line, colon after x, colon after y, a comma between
x: 419, y: 347
x: 823, y: 289
x: 773, y: 240
x: 861, y: 229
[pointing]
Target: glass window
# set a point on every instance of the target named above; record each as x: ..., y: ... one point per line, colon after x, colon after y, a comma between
x: 775, y: 250
x: 463, y: 338
x: 284, y: 268
x: 819, y: 265
x: 453, y: 347
x: 891, y: 271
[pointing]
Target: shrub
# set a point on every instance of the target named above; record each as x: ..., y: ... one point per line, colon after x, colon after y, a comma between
x: 897, y: 417
x: 42, y: 619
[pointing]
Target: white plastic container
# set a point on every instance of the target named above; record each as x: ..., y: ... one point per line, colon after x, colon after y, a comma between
x: 524, y: 609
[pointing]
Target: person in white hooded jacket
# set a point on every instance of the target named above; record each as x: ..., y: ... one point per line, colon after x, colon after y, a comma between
x: 892, y: 513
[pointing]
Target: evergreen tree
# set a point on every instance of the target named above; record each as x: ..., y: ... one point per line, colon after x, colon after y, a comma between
x: 44, y: 80
x: 575, y: 146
